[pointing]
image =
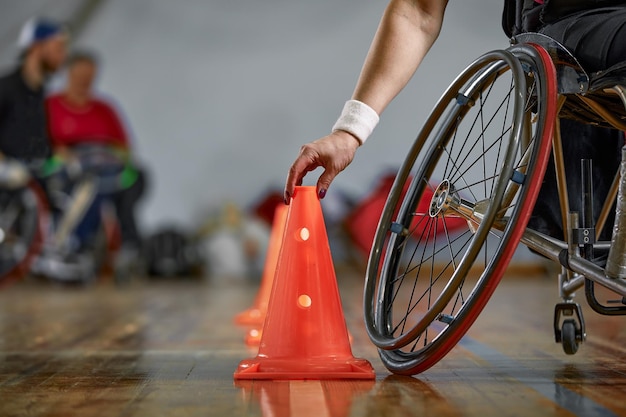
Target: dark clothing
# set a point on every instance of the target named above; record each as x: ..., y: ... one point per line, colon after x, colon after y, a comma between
x: 597, y: 38
x: 125, y: 201
x: 601, y: 145
x: 520, y: 16
x: 592, y: 30
x: 23, y: 127
x: 554, y: 10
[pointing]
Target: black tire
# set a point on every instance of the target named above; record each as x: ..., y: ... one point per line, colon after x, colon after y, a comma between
x: 569, y: 339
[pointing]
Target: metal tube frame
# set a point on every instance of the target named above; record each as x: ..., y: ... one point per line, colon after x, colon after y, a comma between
x: 558, y: 251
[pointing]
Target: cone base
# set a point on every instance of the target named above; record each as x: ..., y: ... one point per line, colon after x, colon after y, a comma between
x: 314, y: 369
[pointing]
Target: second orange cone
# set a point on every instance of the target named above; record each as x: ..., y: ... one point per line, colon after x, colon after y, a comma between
x: 255, y: 315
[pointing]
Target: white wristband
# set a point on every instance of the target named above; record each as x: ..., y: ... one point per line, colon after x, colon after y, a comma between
x: 357, y: 118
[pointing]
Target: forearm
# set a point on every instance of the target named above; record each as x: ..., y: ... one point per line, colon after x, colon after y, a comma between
x: 406, y: 32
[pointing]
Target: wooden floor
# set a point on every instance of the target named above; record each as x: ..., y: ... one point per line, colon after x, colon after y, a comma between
x: 170, y: 349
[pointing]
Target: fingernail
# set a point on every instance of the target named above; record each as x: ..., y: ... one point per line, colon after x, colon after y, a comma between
x: 322, y: 193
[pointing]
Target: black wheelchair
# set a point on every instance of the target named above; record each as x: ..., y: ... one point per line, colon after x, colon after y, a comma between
x: 40, y: 213
x: 481, y: 157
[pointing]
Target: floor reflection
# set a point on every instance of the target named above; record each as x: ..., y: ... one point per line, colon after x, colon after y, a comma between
x: 327, y: 398
x: 394, y: 395
x: 403, y: 396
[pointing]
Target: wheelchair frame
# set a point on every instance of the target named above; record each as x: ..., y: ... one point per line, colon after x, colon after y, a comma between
x: 50, y: 242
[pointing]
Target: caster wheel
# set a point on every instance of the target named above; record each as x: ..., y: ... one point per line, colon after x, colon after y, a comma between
x: 569, y: 338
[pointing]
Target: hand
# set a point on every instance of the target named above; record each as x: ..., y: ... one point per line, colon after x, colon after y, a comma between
x: 333, y: 152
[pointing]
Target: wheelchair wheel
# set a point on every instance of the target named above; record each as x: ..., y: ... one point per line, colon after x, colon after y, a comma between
x: 477, y: 163
x: 23, y: 217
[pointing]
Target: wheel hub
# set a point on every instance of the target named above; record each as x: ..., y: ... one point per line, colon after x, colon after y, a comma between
x: 441, y: 199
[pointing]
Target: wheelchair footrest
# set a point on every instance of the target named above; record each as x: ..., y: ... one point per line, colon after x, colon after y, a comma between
x: 608, y: 309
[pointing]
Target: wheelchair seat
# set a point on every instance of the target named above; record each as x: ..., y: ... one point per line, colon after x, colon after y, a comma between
x: 607, y: 91
x: 614, y: 75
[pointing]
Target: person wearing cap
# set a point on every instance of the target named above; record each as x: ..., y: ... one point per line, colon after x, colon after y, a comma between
x: 24, y: 145
x: 23, y: 128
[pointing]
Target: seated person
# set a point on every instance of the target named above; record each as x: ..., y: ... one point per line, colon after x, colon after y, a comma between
x: 80, y: 122
x: 41, y: 51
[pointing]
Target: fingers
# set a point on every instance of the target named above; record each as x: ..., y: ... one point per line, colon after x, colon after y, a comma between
x: 333, y: 152
x: 323, y: 183
x: 305, y: 162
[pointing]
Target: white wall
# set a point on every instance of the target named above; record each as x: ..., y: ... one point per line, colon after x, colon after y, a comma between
x: 220, y: 95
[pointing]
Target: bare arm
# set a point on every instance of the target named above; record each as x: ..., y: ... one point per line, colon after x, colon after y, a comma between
x: 406, y: 32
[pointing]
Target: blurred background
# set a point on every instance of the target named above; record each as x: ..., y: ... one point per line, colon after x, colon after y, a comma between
x: 220, y: 95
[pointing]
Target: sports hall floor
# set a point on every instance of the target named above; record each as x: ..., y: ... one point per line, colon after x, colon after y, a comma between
x: 169, y: 348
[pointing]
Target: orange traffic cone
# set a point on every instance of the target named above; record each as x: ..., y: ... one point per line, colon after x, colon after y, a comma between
x: 305, y: 334
x: 255, y: 315
x: 253, y: 337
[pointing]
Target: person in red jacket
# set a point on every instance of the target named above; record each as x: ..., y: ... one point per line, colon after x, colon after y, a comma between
x: 81, y: 122
x: 78, y: 117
